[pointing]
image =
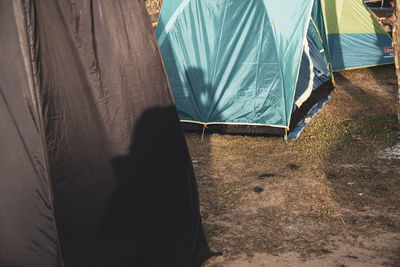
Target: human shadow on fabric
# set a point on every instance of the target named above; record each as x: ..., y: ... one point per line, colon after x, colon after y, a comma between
x: 201, y: 91
x: 155, y: 203
x: 191, y: 87
x: 197, y: 101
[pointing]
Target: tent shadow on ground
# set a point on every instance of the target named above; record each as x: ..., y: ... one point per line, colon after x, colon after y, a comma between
x: 386, y: 75
x: 361, y: 95
x: 364, y: 188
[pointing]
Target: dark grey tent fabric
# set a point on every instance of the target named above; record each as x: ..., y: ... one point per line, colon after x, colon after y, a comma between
x: 94, y: 168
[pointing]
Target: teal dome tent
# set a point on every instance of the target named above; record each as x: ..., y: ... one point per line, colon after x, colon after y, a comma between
x: 257, y: 67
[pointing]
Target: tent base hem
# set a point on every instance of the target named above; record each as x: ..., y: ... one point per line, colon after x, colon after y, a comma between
x: 316, y: 96
x: 233, y: 129
x: 256, y: 130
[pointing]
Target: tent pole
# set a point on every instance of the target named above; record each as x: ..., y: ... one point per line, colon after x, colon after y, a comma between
x: 396, y: 46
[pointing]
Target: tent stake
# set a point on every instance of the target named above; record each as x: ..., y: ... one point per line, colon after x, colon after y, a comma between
x: 286, y: 136
x: 202, y: 135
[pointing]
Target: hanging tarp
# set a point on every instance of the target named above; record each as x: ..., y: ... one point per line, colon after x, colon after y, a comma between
x: 94, y: 168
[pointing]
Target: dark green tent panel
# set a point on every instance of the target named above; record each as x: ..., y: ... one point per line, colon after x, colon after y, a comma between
x: 94, y: 168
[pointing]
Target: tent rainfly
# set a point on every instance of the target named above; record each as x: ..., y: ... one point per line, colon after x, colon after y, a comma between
x: 257, y: 67
x: 94, y: 168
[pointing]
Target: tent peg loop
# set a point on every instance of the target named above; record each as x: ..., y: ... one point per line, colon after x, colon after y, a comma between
x: 286, y: 136
x: 204, y: 129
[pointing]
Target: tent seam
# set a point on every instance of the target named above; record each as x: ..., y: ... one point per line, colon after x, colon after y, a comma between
x: 279, y: 63
x: 298, y: 71
x: 258, y: 61
x: 218, y: 49
x: 33, y: 51
x: 171, y: 22
x: 300, y: 101
x: 325, y: 46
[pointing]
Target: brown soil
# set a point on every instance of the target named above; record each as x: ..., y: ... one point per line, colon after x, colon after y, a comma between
x: 325, y: 199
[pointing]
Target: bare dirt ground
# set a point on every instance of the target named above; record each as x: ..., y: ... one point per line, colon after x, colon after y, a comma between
x: 326, y: 199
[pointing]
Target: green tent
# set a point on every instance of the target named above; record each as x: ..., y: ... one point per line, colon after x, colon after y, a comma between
x: 355, y: 39
x: 258, y: 66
